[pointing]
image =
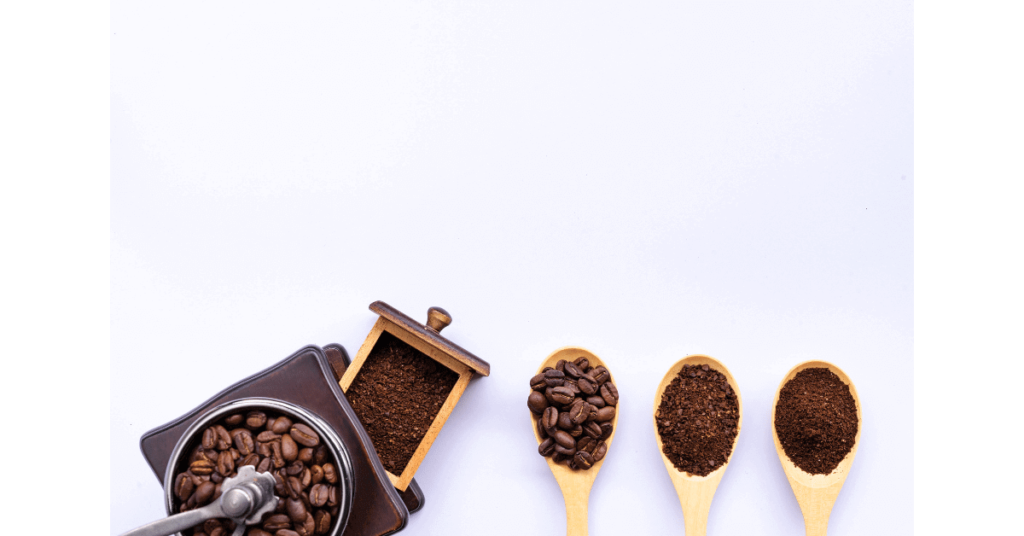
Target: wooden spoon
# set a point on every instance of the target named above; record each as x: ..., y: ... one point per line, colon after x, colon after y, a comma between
x: 816, y: 493
x: 576, y: 484
x: 695, y: 492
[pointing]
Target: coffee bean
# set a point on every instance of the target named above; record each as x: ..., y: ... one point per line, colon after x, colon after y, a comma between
x: 223, y: 437
x: 564, y: 439
x: 277, y: 522
x: 281, y: 425
x: 263, y: 466
x: 235, y: 455
x: 267, y: 436
x: 572, y: 370
x: 289, y: 449
x: 541, y: 432
x: 332, y: 496
x: 587, y: 386
x: 606, y: 413
x: 255, y: 419
x: 560, y: 395
x: 320, y: 455
x: 319, y: 494
x: 537, y: 402
x: 203, y: 493
x: 286, y: 532
x: 546, y: 447
x: 582, y: 363
x: 600, y: 375
x: 202, y: 467
x: 244, y: 442
x: 596, y: 401
x: 183, y: 486
x: 564, y: 421
x: 296, y: 510
x: 211, y: 455
x: 606, y: 430
x: 581, y: 443
x: 216, y: 477
x: 322, y: 520
x: 307, y: 526
x: 306, y: 455
x: 316, y: 474
x: 538, y: 383
x: 600, y: 451
x: 609, y: 393
x: 234, y: 420
x: 219, y: 531
x: 330, y: 474
x: 576, y: 431
x: 225, y: 465
x: 558, y: 457
x: 554, y: 378
x: 560, y: 366
x: 304, y: 435
x: 209, y: 438
x: 252, y: 459
x: 592, y: 429
x: 583, y: 460
x: 306, y: 478
x: 565, y: 451
x: 550, y: 419
x: 275, y: 454
x: 294, y: 487
x: 294, y: 469
x: 579, y: 411
x: 572, y: 385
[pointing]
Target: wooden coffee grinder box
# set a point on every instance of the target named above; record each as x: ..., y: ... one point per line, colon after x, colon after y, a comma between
x: 404, y: 383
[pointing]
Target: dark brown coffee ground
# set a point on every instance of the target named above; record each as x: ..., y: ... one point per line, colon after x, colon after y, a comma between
x: 396, y: 395
x: 816, y: 420
x: 697, y: 420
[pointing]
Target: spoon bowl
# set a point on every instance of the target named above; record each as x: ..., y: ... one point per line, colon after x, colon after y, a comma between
x: 695, y: 492
x: 816, y: 494
x: 575, y: 485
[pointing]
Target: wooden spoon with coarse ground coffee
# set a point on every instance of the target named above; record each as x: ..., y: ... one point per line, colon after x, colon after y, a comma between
x: 816, y: 493
x: 695, y: 492
x: 576, y: 484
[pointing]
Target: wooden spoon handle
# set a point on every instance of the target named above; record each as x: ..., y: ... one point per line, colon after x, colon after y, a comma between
x: 575, y: 516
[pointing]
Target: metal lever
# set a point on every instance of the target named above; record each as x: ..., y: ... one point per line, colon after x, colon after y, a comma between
x: 244, y: 499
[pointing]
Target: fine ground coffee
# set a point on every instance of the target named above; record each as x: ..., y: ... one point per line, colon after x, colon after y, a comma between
x: 305, y: 471
x: 816, y: 420
x: 697, y: 420
x: 574, y: 405
x: 396, y: 395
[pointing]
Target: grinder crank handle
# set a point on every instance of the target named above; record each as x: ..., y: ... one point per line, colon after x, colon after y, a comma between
x: 244, y: 499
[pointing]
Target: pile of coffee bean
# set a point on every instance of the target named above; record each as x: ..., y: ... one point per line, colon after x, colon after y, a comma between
x: 306, y: 474
x: 574, y: 405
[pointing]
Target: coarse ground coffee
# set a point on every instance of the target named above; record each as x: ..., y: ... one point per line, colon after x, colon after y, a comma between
x: 698, y: 420
x: 816, y: 420
x: 396, y: 395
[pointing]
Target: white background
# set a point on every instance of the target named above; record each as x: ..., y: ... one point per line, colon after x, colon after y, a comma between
x: 646, y: 181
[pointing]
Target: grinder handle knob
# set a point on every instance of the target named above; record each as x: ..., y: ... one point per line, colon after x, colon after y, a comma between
x: 438, y: 318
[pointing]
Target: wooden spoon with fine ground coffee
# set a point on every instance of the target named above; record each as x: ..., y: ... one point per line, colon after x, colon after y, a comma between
x: 816, y: 494
x: 576, y: 485
x: 695, y: 492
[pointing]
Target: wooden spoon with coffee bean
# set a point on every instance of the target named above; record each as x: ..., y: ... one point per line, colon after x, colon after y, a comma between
x: 589, y: 411
x: 697, y: 418
x: 816, y: 425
